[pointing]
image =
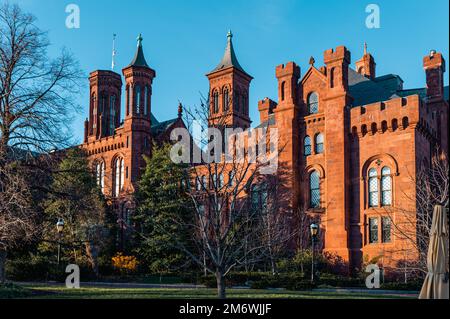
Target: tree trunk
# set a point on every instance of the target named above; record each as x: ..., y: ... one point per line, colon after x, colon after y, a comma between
x: 221, y: 294
x: 92, y: 252
x: 2, y: 266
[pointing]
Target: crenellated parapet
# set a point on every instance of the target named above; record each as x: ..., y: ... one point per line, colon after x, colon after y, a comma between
x: 389, y: 116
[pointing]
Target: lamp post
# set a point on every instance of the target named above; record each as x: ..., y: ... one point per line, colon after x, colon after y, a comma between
x: 59, y: 229
x: 314, y: 228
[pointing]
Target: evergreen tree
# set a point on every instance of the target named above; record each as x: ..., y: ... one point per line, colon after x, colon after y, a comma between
x: 162, y: 216
x: 76, y: 198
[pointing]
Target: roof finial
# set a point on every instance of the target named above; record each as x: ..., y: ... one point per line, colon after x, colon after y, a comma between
x: 139, y: 40
x: 229, y: 35
x: 180, y: 110
x: 365, y: 48
x: 312, y: 61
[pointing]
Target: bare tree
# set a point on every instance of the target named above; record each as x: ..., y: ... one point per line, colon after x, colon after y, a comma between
x: 414, y: 226
x: 36, y: 92
x: 235, y: 204
x: 17, y: 219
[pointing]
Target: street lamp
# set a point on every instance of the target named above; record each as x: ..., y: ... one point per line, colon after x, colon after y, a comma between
x: 59, y: 229
x: 314, y: 228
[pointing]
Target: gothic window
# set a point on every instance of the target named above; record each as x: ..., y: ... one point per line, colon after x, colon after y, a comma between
x: 216, y: 102
x: 198, y: 185
x: 313, y: 103
x: 373, y: 187
x: 405, y: 122
x: 94, y: 111
x: 128, y: 100
x: 100, y: 174
x: 237, y: 101
x: 373, y: 230
x: 259, y: 197
x: 283, y: 85
x: 386, y: 230
x: 319, y: 143
x: 137, y: 101
x: 112, y: 114
x: 146, y: 100
x: 203, y: 182
x: 314, y: 190
x: 386, y: 186
x: 118, y: 176
x: 226, y: 100
x: 307, y: 146
x: 220, y: 180
x: 231, y: 177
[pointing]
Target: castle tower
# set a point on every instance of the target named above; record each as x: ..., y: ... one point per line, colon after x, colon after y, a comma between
x: 138, y: 80
x: 229, y: 91
x: 104, y: 106
x: 366, y: 65
x: 337, y: 156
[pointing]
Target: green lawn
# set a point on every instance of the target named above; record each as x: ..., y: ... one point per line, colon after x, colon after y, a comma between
x: 51, y: 292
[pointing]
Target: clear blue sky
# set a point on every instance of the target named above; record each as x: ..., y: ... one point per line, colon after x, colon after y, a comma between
x: 183, y: 40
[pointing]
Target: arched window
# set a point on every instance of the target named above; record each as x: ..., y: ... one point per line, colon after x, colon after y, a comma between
x: 226, y: 100
x: 100, y: 174
x: 220, y: 180
x: 394, y: 124
x: 137, y: 99
x: 386, y: 186
x: 146, y: 100
x: 237, y: 101
x: 94, y: 111
x: 283, y: 85
x: 313, y: 103
x: 307, y: 146
x: 216, y: 102
x: 373, y: 188
x: 112, y: 114
x: 231, y: 177
x: 314, y: 190
x: 384, y: 126
x: 203, y: 182
x: 198, y: 184
x: 128, y: 102
x: 118, y: 175
x: 319, y: 143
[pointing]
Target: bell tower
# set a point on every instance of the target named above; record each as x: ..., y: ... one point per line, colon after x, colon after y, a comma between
x: 229, y: 91
x: 138, y: 91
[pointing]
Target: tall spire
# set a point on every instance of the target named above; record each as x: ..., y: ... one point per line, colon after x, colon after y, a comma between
x: 365, y: 48
x: 139, y: 59
x: 229, y: 57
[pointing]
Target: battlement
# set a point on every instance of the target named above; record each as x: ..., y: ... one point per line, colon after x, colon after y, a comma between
x: 340, y: 53
x: 433, y: 61
x: 105, y: 77
x: 266, y: 107
x: 398, y: 113
x: 290, y: 68
x: 106, y: 144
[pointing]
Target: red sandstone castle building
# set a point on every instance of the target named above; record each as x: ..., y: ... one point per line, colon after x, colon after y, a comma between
x: 352, y: 140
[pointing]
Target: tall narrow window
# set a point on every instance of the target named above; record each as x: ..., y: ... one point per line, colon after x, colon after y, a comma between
x: 237, y: 102
x: 203, y: 182
x: 226, y: 101
x: 307, y: 146
x: 146, y: 100
x: 231, y: 177
x: 332, y: 78
x: 216, y: 102
x: 100, y: 174
x: 313, y: 103
x: 373, y: 187
x: 314, y: 190
x: 386, y: 230
x: 128, y: 102
x: 319, y: 143
x: 94, y: 111
x: 118, y: 175
x: 137, y: 99
x: 220, y: 180
x: 386, y: 186
x: 112, y: 114
x: 373, y: 230
x: 283, y: 85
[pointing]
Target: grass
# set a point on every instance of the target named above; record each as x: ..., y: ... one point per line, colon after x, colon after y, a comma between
x: 55, y: 292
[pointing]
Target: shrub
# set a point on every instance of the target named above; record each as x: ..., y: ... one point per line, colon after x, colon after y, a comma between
x: 124, y: 264
x: 9, y: 290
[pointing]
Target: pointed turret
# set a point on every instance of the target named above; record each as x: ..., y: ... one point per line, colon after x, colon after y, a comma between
x: 229, y: 88
x: 229, y: 57
x: 139, y: 59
